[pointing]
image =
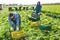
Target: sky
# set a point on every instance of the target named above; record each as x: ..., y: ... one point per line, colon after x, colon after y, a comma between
x: 28, y: 1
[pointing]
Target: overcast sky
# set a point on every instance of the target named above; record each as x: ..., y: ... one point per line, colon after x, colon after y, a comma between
x: 27, y: 1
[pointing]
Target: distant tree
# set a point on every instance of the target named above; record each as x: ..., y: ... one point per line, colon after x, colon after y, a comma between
x: 20, y: 8
x: 23, y: 8
x: 10, y: 9
x: 26, y: 8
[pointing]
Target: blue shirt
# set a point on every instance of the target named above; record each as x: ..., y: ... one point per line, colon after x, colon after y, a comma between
x: 38, y: 8
x: 17, y: 20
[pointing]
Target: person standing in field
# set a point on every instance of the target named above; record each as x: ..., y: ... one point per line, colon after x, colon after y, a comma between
x: 38, y: 7
x: 15, y: 21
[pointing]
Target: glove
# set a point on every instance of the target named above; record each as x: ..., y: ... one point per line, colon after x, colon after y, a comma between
x: 17, y: 29
x: 11, y: 28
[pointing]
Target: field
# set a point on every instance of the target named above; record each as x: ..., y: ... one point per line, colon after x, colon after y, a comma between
x: 49, y: 18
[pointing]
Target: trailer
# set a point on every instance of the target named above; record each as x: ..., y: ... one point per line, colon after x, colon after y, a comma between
x: 1, y: 6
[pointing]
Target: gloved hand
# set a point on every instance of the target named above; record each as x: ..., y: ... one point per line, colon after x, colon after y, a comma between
x: 11, y: 28
x: 17, y: 29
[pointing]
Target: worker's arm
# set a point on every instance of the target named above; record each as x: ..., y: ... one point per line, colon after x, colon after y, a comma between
x: 10, y: 21
x: 18, y: 20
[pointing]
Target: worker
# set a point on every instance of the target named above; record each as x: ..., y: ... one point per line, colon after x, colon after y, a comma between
x: 38, y: 7
x: 15, y: 21
x: 35, y: 16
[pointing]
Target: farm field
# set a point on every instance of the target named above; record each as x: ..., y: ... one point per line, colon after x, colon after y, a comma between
x: 48, y: 30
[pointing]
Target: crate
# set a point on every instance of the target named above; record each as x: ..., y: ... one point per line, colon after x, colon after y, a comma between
x: 18, y: 34
x: 34, y: 24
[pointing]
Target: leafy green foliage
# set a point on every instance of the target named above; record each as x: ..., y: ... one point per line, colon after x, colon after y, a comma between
x: 34, y: 33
